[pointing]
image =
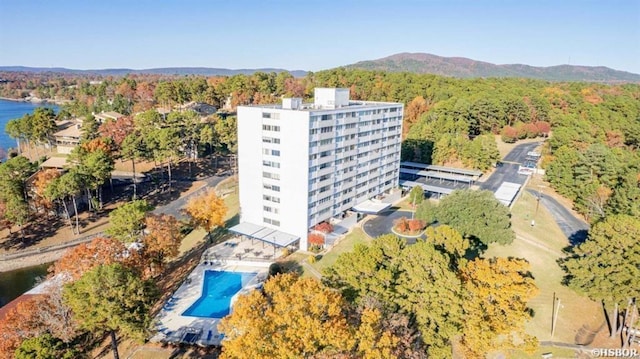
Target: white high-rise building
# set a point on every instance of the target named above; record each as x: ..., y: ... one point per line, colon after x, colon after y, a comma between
x: 301, y: 164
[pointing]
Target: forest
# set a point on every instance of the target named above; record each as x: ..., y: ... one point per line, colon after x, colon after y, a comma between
x: 591, y: 156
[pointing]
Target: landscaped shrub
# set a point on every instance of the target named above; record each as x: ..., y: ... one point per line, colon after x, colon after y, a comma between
x: 402, y: 225
x: 531, y: 130
x: 312, y: 259
x: 286, y: 252
x: 416, y: 225
x: 324, y: 227
x: 509, y: 134
x: 543, y: 128
x: 316, y: 239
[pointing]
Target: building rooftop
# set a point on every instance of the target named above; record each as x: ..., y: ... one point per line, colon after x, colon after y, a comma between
x: 71, y: 131
x: 54, y: 162
x: 325, y: 99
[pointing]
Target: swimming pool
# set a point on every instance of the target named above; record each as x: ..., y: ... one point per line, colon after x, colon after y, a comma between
x: 218, y: 288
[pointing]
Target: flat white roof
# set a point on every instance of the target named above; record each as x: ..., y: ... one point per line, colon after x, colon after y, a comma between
x: 507, y: 192
x: 461, y: 171
x: 269, y: 235
x: 371, y: 207
x: 426, y: 187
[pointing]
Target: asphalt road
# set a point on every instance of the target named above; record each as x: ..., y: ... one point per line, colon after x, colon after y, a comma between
x: 575, y: 229
x: 508, y: 171
x: 174, y: 208
x: 381, y: 224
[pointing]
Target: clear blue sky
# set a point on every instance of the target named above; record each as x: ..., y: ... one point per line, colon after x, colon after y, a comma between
x: 315, y: 35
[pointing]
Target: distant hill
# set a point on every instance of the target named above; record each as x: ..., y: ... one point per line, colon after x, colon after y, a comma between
x: 204, y: 71
x: 467, y: 68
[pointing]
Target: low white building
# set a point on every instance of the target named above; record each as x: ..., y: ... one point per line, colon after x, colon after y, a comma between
x: 301, y: 164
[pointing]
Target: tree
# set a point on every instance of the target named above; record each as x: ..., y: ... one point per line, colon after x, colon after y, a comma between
x: 133, y: 148
x: 368, y: 270
x: 109, y: 299
x: 292, y: 318
x: 40, y: 184
x: 607, y: 265
x: 429, y: 289
x: 426, y: 211
x: 33, y: 317
x: 46, y: 346
x: 207, y: 210
x: 448, y: 240
x: 67, y: 185
x: 476, y: 215
x: 86, y: 256
x: 416, y: 196
x: 163, y: 237
x: 497, y: 291
x: 127, y: 221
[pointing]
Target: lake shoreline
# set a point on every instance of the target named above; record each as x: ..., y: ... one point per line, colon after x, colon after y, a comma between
x: 35, y: 100
x: 32, y: 260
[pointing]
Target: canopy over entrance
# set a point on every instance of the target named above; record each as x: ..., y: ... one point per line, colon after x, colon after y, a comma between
x: 269, y: 235
x: 371, y: 207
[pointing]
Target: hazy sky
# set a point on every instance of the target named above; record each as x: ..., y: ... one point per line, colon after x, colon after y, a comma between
x: 315, y: 35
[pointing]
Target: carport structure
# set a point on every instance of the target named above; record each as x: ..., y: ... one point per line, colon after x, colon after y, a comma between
x: 265, y: 234
x: 440, y: 191
x: 416, y: 170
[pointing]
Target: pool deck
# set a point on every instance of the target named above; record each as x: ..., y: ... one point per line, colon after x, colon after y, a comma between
x: 173, y: 327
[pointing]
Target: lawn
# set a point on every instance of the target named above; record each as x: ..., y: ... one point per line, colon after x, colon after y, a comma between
x: 346, y: 244
x: 541, y: 246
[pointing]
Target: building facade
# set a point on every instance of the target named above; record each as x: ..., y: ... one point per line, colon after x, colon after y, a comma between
x: 301, y: 164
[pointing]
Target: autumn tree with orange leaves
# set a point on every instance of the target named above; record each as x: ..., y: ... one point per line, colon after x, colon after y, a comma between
x: 100, y: 251
x: 207, y: 210
x: 163, y: 237
x: 40, y: 183
x: 35, y: 316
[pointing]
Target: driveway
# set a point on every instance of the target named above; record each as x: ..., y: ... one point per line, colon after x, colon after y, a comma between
x: 508, y: 171
x: 174, y: 208
x: 382, y: 223
x: 574, y: 228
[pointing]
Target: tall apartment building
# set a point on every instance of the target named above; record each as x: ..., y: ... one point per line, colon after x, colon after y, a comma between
x: 301, y: 164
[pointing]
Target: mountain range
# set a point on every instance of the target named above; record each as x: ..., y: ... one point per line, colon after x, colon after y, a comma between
x: 467, y: 68
x: 404, y: 62
x: 203, y: 71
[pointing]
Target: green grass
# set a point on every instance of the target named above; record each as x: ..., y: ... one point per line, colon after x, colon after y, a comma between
x: 192, y: 240
x: 546, y: 230
x: 575, y: 310
x: 232, y: 198
x: 346, y: 244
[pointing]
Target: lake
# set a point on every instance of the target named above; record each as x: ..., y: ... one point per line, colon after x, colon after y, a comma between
x: 15, y: 109
x: 14, y: 283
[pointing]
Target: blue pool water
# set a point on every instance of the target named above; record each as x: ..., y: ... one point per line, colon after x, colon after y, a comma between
x: 217, y: 290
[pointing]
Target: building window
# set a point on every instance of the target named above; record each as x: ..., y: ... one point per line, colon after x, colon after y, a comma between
x: 271, y: 175
x: 271, y: 221
x: 271, y: 187
x: 273, y: 199
x: 270, y: 209
x: 271, y: 115
x: 271, y: 164
x: 326, y: 142
x: 271, y: 128
x: 270, y: 152
x: 327, y: 129
x: 270, y: 140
